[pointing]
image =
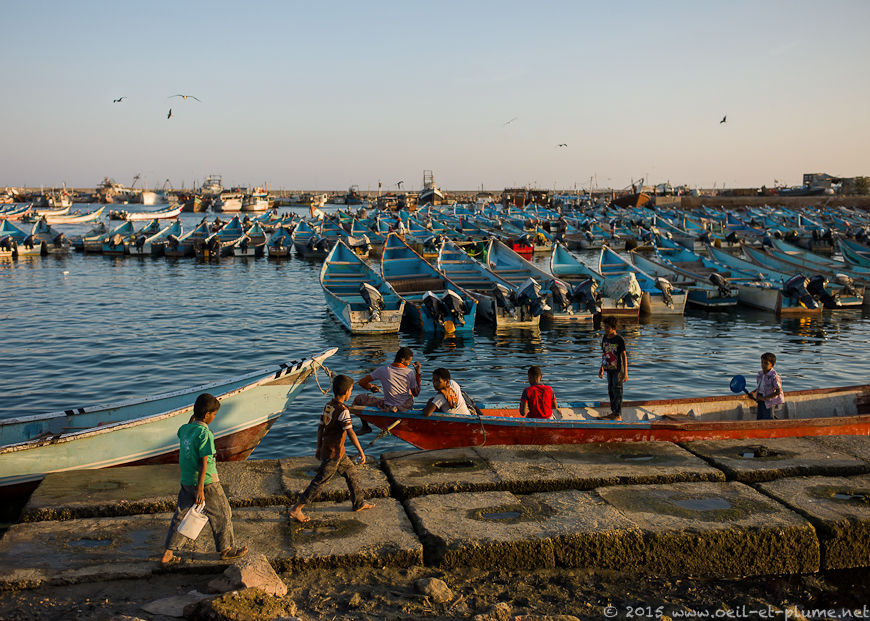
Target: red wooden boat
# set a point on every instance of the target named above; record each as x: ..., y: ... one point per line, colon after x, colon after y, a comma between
x: 819, y: 412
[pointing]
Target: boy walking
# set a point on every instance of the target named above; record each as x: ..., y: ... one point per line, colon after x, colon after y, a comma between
x: 538, y: 400
x: 768, y: 393
x: 199, y: 484
x: 614, y: 361
x: 335, y: 424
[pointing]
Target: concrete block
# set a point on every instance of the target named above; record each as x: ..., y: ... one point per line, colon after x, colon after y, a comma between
x: 297, y: 472
x: 715, y: 529
x: 751, y: 461
x: 838, y: 507
x: 132, y: 490
x: 857, y: 446
x: 500, y: 529
x: 416, y: 473
x: 111, y: 548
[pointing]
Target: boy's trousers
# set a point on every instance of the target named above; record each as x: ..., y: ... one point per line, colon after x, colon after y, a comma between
x: 328, y: 469
x: 217, y: 509
x: 614, y: 391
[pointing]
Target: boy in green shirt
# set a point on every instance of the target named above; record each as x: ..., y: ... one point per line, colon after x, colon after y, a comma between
x: 199, y: 484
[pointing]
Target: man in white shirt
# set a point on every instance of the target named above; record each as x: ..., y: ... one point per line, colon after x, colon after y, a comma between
x: 448, y: 398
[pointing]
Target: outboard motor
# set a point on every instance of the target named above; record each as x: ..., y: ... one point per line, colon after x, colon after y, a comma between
x: 818, y: 288
x: 29, y: 241
x: 373, y: 299
x: 140, y: 242
x: 243, y: 245
x: 589, y: 235
x: 172, y: 240
x: 360, y: 244
x: 777, y: 234
x: 846, y: 283
x: 503, y: 297
x: 587, y: 296
x: 316, y: 243
x: 704, y: 237
x: 791, y: 237
x: 767, y: 241
x: 455, y: 306
x: 829, y: 235
x: 721, y: 284
x: 732, y: 238
x: 561, y: 296
x: 117, y: 240
x: 529, y: 294
x: 6, y: 242
x: 666, y: 288
x: 432, y: 243
x: 59, y: 240
x: 796, y: 287
x: 213, y: 244
x: 526, y: 240
x: 435, y: 307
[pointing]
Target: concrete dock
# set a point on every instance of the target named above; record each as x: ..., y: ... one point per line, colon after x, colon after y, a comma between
x: 717, y: 509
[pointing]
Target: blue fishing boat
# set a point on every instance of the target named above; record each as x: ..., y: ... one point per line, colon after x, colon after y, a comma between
x: 280, y: 244
x: 223, y: 242
x: 854, y: 253
x: 55, y: 242
x: 712, y: 292
x: 498, y: 301
x: 143, y: 431
x: 185, y: 245
x: 145, y: 245
x: 22, y: 244
x: 618, y: 296
x: 358, y: 296
x: 433, y: 302
x: 564, y: 305
x: 659, y: 296
x: 308, y: 241
x: 112, y: 243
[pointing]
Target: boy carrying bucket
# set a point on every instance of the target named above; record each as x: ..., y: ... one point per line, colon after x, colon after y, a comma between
x: 199, y: 484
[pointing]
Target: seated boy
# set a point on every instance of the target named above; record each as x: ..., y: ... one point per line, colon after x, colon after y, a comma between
x: 448, y: 398
x: 538, y: 400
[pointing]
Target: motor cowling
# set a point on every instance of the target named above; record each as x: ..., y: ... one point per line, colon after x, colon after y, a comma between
x: 316, y: 243
x: 560, y: 295
x: 732, y: 238
x: 6, y: 242
x: 116, y: 240
x: 59, y: 240
x: 796, y: 288
x: 172, y: 240
x: 213, y: 243
x: 433, y: 305
x: 243, y: 244
x: 455, y: 306
x: 373, y: 299
x: 529, y: 295
x: 719, y: 281
x: 503, y: 298
x: 846, y: 283
x: 432, y: 243
x: 664, y: 285
x: 704, y: 237
x: 818, y: 288
x: 140, y: 242
x: 586, y: 294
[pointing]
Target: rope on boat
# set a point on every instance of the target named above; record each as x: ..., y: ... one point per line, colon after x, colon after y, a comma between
x: 314, y: 365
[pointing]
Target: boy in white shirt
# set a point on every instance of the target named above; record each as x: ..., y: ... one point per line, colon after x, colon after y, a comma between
x: 448, y: 398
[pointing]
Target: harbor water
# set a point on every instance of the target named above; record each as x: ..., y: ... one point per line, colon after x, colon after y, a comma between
x: 81, y: 329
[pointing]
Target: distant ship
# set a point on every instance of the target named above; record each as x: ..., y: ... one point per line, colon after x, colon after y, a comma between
x: 430, y: 195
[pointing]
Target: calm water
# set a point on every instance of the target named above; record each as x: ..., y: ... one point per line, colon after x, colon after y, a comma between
x: 79, y: 330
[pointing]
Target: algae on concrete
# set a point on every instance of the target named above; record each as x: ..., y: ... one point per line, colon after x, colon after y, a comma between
x: 441, y: 471
x: 752, y: 461
x: 838, y: 507
x: 716, y: 529
x: 857, y: 446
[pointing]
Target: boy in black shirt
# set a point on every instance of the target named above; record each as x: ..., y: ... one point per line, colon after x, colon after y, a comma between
x: 615, y: 361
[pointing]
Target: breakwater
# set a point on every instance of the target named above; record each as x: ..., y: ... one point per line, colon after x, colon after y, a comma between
x: 725, y: 508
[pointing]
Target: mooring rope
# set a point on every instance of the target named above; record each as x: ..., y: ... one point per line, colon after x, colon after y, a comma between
x: 314, y: 364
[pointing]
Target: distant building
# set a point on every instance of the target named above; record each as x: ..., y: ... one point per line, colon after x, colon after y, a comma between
x: 822, y: 182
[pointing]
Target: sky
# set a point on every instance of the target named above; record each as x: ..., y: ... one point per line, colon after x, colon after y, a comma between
x: 323, y: 95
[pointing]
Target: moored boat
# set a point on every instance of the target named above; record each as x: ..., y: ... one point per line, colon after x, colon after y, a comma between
x: 824, y: 411
x: 357, y: 296
x: 659, y: 296
x: 143, y: 431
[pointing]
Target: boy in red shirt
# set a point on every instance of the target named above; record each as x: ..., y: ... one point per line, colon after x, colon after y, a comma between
x: 538, y: 400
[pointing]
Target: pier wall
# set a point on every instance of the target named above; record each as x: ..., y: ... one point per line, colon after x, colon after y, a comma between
x: 794, y: 202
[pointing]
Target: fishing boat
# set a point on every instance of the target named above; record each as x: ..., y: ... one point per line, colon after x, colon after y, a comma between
x: 173, y: 211
x: 619, y: 296
x: 21, y: 243
x: 659, y: 296
x: 75, y: 218
x: 185, y: 245
x: 115, y: 241
x: 498, y: 301
x: 854, y: 253
x: 145, y: 243
x: 257, y: 200
x: 55, y: 242
x: 700, y: 291
x: 564, y: 305
x: 308, y: 241
x: 143, y: 431
x: 358, y: 296
x: 251, y: 244
x: 433, y: 302
x: 280, y: 244
x: 223, y: 242
x: 819, y: 412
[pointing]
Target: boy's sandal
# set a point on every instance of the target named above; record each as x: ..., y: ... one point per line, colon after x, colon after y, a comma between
x: 232, y: 553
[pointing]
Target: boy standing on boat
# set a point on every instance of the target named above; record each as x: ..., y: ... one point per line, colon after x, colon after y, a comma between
x: 199, y: 484
x: 335, y: 424
x: 614, y: 361
x: 768, y: 393
x: 538, y: 400
x: 401, y: 384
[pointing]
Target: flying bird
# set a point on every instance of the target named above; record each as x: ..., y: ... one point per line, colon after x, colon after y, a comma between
x: 118, y: 100
x: 723, y: 119
x: 562, y: 144
x: 511, y: 121
x: 185, y: 97
x: 399, y: 184
x: 169, y: 116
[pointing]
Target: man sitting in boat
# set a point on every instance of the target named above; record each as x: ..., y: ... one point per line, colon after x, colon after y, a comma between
x: 401, y: 384
x: 448, y: 398
x: 768, y: 393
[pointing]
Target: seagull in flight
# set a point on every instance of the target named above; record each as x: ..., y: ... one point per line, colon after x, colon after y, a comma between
x: 399, y: 184
x: 118, y: 100
x: 169, y: 116
x: 562, y: 144
x: 185, y: 97
x: 511, y: 121
x: 723, y: 119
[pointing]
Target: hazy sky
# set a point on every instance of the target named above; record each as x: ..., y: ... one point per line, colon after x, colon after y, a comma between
x: 328, y: 94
